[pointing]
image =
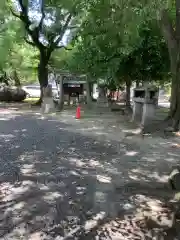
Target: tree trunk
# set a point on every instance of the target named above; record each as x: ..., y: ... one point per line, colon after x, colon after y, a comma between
x: 128, y: 92
x: 4, y: 79
x: 42, y: 73
x: 16, y: 79
x: 61, y: 94
x: 88, y: 94
x: 174, y: 113
x: 175, y: 105
x: 173, y: 96
x: 172, y: 36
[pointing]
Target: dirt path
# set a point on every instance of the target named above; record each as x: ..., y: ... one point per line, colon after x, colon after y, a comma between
x: 67, y: 179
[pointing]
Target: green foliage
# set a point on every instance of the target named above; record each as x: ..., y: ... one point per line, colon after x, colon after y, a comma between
x: 49, y: 24
x: 15, y: 54
x: 149, y: 61
x: 118, y: 39
x: 111, y: 40
x: 23, y: 59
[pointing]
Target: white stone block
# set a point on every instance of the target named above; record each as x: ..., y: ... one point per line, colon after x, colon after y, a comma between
x: 148, y: 113
x: 47, y: 105
x: 137, y: 111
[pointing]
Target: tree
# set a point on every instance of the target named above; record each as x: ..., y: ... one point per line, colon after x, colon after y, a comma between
x: 98, y: 39
x: 17, y: 58
x: 120, y: 46
x: 119, y: 60
x: 149, y: 61
x: 54, y: 19
x: 22, y: 61
x: 171, y: 29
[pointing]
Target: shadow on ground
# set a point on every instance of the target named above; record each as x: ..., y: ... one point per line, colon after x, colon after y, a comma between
x: 61, y: 184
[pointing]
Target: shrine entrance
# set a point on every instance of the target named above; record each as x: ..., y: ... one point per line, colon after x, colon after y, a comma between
x: 74, y: 88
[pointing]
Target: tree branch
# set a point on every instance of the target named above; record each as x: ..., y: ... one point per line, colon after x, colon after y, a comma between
x: 177, y: 20
x: 23, y: 16
x: 55, y: 43
x: 29, y: 42
x: 15, y: 14
x: 63, y: 30
x: 23, y: 7
x: 43, y: 15
x: 66, y: 48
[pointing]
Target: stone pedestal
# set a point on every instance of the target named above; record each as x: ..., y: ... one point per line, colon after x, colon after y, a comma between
x: 145, y: 101
x: 148, y: 113
x: 47, y: 104
x: 137, y: 111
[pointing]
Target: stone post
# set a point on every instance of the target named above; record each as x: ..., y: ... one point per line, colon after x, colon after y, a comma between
x: 137, y: 111
x: 88, y: 94
x: 145, y: 101
x: 47, y: 104
x: 148, y: 113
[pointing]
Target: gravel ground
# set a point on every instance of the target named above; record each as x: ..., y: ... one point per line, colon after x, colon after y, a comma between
x: 67, y: 179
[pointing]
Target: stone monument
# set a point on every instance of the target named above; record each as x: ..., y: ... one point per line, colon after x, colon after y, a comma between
x: 145, y: 102
x: 47, y: 104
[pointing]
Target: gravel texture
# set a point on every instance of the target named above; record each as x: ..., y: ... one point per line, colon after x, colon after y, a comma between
x: 59, y: 181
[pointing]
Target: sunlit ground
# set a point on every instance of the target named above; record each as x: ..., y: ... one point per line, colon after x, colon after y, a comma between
x: 31, y: 100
